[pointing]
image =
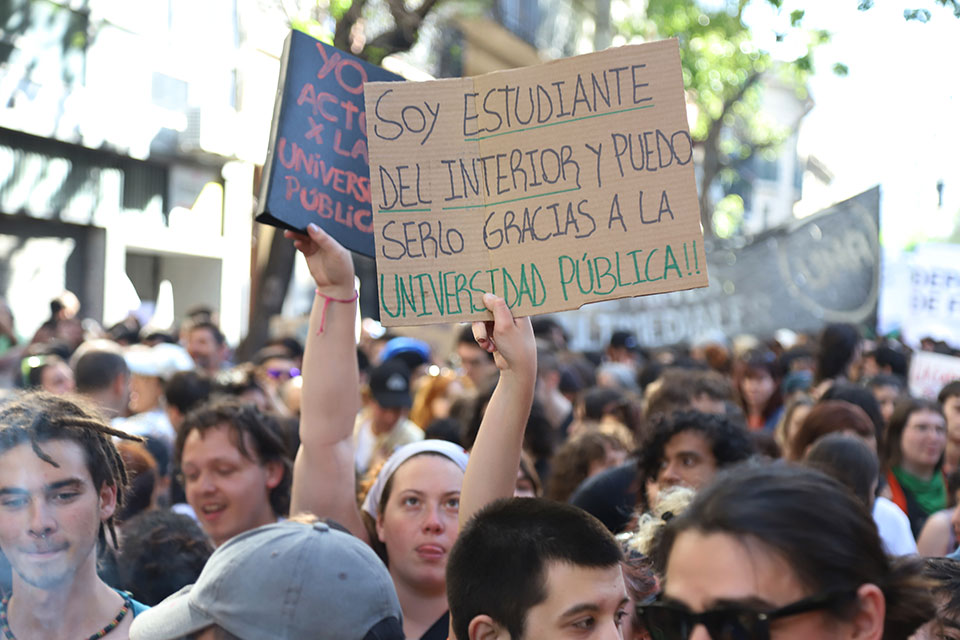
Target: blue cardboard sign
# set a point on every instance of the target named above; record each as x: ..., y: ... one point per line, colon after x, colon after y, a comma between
x: 318, y: 166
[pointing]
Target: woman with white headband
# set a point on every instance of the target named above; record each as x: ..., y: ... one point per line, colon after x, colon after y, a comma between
x: 415, y: 500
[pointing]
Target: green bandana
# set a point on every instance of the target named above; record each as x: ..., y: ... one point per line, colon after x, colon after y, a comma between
x: 930, y: 494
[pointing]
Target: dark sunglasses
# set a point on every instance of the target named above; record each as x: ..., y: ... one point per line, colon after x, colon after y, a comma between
x: 673, y: 621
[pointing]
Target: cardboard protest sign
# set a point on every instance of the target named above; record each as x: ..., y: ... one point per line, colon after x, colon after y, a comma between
x: 929, y: 372
x: 553, y: 186
x: 317, y: 167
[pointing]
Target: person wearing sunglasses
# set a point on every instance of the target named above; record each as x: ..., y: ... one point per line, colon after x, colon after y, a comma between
x: 780, y: 552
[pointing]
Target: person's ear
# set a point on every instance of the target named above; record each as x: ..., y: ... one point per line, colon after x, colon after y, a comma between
x: 120, y: 384
x: 868, y: 623
x: 274, y: 474
x: 108, y: 501
x: 378, y: 525
x: 483, y: 627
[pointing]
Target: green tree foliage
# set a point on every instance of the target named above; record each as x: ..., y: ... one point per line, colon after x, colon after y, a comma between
x: 724, y: 70
x: 20, y: 18
x: 920, y: 14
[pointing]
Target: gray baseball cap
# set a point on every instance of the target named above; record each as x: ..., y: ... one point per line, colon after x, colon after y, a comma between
x: 284, y: 581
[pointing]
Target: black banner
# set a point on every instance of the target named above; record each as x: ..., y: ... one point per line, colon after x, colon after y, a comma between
x: 820, y: 269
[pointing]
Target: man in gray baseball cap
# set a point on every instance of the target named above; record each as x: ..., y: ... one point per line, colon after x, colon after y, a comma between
x: 284, y: 581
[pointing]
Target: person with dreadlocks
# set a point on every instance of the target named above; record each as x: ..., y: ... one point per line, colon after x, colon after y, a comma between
x: 61, y: 482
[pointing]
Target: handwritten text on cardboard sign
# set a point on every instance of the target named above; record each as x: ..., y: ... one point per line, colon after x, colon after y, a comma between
x: 552, y: 186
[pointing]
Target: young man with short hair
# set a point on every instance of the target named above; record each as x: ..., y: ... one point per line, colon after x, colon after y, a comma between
x: 101, y: 374
x: 207, y: 346
x: 531, y: 569
x: 61, y: 481
x: 383, y: 426
x: 525, y: 568
x: 235, y: 466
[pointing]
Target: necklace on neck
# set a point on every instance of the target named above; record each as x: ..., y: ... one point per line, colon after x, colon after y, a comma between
x: 8, y: 634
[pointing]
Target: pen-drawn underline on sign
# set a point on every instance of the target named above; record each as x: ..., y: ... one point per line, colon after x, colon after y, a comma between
x: 552, y: 124
x: 494, y: 204
x: 482, y: 206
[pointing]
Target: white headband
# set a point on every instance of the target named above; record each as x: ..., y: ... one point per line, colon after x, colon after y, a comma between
x: 453, y: 452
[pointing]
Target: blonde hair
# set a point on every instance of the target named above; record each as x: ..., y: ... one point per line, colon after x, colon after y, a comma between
x: 431, y: 389
x: 670, y: 502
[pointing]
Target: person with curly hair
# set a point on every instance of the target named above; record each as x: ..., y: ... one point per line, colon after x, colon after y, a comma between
x: 687, y: 448
x: 61, y: 482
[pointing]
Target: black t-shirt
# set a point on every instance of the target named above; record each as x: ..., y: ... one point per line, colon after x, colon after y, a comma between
x: 440, y: 629
x: 610, y: 496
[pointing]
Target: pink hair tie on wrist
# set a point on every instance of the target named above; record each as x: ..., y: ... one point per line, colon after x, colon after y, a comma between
x: 326, y: 302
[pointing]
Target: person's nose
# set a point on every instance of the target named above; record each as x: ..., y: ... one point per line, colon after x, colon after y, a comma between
x: 42, y: 522
x: 611, y: 631
x: 205, y: 483
x: 669, y: 475
x: 433, y: 520
x: 700, y: 633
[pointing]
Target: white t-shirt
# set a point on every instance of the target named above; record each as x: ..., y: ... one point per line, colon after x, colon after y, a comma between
x: 894, y: 528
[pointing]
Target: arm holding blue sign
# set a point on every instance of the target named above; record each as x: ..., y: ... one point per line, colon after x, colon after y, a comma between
x: 323, y: 473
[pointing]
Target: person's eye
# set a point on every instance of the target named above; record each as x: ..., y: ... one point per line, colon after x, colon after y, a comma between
x: 411, y: 501
x: 688, y: 461
x: 453, y: 503
x: 225, y: 471
x: 14, y: 503
x: 620, y: 616
x: 584, y: 624
x: 65, y: 496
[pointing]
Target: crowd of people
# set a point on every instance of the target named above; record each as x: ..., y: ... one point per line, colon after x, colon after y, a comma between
x: 151, y: 488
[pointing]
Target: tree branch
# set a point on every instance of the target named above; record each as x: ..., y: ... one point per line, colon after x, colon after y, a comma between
x: 717, y: 125
x: 403, y: 35
x: 426, y: 7
x: 753, y: 149
x: 341, y: 36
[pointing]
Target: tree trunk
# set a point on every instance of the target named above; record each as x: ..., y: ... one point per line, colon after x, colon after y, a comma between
x: 710, y: 169
x: 268, y: 294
